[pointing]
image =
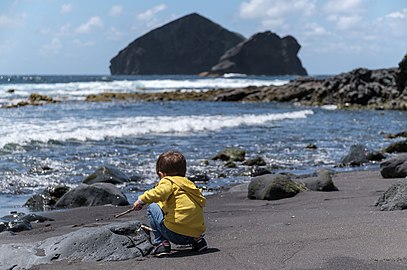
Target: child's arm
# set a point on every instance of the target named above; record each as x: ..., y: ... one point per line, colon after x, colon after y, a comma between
x: 160, y: 193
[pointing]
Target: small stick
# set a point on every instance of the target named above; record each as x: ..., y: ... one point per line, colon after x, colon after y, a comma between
x: 146, y: 228
x: 124, y: 213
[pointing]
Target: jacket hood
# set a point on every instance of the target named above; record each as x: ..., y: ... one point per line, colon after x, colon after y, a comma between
x: 190, y: 188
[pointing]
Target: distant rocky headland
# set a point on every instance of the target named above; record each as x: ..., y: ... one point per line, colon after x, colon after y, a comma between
x: 359, y: 88
x: 193, y: 45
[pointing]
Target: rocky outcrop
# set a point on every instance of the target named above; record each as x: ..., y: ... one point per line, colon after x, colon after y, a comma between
x: 322, y: 182
x: 397, y: 147
x: 230, y: 154
x: 106, y: 174
x: 20, y: 222
x: 91, y: 195
x: 396, y: 135
x: 112, y: 242
x: 401, y: 76
x: 360, y: 88
x: 46, y: 199
x: 188, y: 45
x: 359, y: 154
x: 394, y: 167
x: 394, y: 198
x: 262, y: 54
x: 272, y: 187
x: 33, y: 100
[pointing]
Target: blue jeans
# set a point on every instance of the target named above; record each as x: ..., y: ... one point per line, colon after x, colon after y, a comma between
x: 161, y: 233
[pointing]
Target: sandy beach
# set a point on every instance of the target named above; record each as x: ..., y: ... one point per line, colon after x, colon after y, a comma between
x: 313, y: 230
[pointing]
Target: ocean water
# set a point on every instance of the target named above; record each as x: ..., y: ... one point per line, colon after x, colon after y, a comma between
x: 63, y: 143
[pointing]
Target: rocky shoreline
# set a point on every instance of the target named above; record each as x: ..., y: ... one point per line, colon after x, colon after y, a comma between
x: 360, y: 88
x: 381, y: 89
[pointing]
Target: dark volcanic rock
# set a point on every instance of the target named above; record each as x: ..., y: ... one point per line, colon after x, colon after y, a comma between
x: 91, y: 195
x: 257, y: 171
x: 394, y: 198
x: 258, y: 161
x: 20, y: 222
x: 323, y: 181
x: 401, y: 76
x: 262, y: 54
x: 272, y: 187
x: 107, y: 174
x: 359, y: 154
x: 395, y: 167
x: 230, y: 154
x: 112, y: 242
x: 188, y: 45
x: 396, y: 135
x: 397, y: 147
x: 47, y: 198
x: 359, y: 88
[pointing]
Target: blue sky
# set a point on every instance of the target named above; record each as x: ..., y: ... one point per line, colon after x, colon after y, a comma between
x: 81, y: 36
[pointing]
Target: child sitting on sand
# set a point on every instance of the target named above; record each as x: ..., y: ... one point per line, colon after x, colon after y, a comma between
x: 176, y: 206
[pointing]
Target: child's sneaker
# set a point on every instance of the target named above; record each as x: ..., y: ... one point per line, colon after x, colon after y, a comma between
x: 199, y: 244
x: 164, y: 248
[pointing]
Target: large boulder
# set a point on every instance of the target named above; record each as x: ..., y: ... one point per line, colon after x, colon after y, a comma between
x: 272, y: 187
x: 359, y: 154
x: 322, y: 182
x: 92, y: 195
x: 20, y: 222
x: 106, y: 174
x: 112, y: 242
x: 230, y: 154
x: 394, y: 198
x: 47, y: 198
x: 262, y: 54
x: 395, y: 167
x: 397, y: 147
x: 188, y: 45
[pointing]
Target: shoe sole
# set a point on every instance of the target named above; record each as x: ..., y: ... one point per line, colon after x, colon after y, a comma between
x: 162, y: 254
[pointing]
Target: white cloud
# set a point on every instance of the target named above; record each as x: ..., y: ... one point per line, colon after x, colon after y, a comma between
x: 278, y: 15
x: 398, y: 15
x: 392, y: 25
x: 5, y: 21
x: 13, y: 21
x: 52, y: 48
x: 113, y: 34
x: 80, y: 43
x: 66, y: 8
x: 273, y: 23
x: 273, y: 9
x: 90, y: 25
x: 149, y: 14
x: 346, y: 22
x: 344, y: 6
x: 115, y: 10
x: 314, y: 30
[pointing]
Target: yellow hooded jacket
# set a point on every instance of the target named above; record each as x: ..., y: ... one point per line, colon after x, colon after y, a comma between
x: 182, y: 203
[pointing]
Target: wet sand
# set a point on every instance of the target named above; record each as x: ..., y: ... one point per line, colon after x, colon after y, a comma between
x: 313, y: 230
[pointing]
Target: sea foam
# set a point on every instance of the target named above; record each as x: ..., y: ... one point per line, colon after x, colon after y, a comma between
x: 99, y: 129
x: 79, y: 90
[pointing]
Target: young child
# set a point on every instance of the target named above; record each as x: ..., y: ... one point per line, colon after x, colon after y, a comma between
x: 176, y: 206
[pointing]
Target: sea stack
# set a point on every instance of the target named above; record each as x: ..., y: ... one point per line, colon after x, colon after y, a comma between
x: 262, y: 54
x: 188, y: 45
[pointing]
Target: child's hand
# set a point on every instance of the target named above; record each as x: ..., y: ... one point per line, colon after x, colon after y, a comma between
x: 138, y: 205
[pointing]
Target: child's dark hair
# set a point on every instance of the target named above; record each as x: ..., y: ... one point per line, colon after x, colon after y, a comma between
x: 171, y: 163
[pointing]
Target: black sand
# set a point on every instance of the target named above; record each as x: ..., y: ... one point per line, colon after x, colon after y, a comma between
x: 313, y: 230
